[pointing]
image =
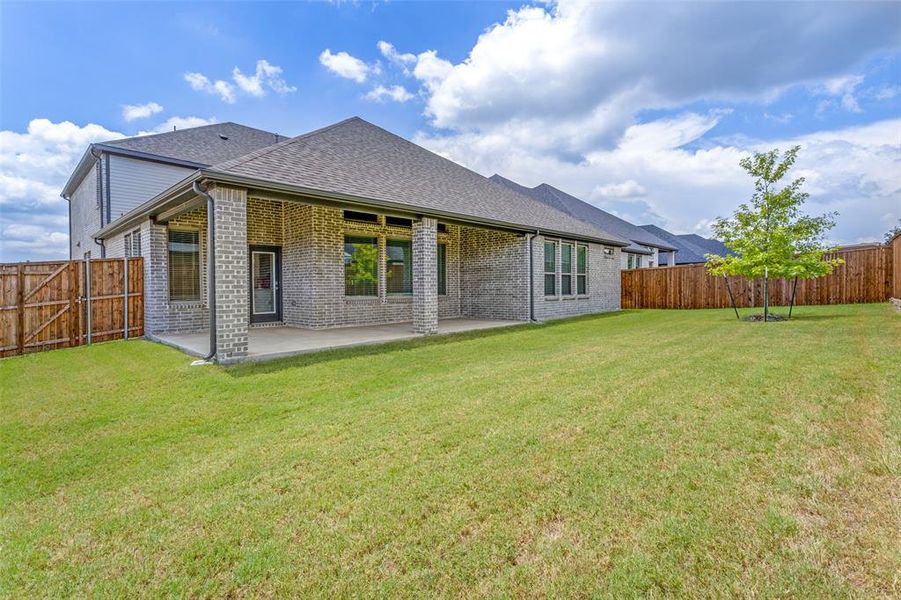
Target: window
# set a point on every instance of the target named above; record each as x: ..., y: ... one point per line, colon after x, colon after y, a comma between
x: 630, y: 261
x: 352, y: 215
x: 184, y: 266
x: 581, y: 270
x: 550, y: 268
x: 638, y: 261
x: 398, y: 222
x: 399, y: 272
x: 442, y: 269
x: 132, y: 242
x: 360, y: 266
x: 442, y: 227
x: 566, y: 269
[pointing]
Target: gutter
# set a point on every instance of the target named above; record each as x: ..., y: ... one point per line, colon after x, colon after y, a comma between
x: 211, y: 263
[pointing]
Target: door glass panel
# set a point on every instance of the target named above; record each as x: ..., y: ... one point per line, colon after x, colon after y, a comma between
x: 263, y: 283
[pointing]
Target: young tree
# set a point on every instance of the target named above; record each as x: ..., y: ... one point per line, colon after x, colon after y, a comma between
x: 891, y: 233
x: 770, y: 236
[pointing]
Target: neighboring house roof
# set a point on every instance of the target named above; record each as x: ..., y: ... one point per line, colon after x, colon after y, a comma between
x: 355, y: 159
x: 588, y: 213
x: 689, y: 252
x: 193, y: 147
x: 708, y: 245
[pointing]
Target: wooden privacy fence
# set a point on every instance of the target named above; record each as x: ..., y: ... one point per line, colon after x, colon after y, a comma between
x: 866, y: 276
x: 47, y: 305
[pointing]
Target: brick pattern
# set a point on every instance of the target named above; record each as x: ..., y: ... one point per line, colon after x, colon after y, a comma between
x: 161, y: 315
x: 231, y: 272
x: 313, y: 260
x: 494, y: 274
x: 265, y: 222
x: 603, y: 283
x: 425, y: 276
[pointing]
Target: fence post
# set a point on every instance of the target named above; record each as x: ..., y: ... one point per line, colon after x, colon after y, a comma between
x: 73, y: 304
x: 87, y: 289
x: 125, y: 295
x: 20, y: 308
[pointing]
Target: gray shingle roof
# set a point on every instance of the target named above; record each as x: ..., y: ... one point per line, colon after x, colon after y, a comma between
x: 588, y: 213
x: 202, y: 145
x: 691, y: 247
x: 358, y: 159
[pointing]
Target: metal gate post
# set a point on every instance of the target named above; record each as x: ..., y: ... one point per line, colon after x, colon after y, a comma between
x: 125, y: 292
x: 87, y: 289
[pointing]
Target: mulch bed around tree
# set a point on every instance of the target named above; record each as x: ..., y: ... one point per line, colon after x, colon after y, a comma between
x: 769, y: 317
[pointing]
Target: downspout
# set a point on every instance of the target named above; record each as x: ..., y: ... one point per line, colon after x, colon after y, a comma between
x: 530, y: 237
x: 211, y: 263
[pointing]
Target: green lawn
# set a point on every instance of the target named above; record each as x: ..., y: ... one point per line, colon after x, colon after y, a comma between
x: 640, y: 453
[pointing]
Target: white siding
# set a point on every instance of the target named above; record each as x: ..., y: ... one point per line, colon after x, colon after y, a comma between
x: 134, y: 181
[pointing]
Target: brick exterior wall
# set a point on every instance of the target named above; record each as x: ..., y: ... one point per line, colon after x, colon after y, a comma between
x: 603, y: 282
x: 487, y: 272
x: 494, y: 274
x: 425, y: 276
x: 232, y: 279
x: 160, y: 314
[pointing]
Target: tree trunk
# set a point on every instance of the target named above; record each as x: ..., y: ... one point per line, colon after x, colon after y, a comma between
x: 731, y: 297
x: 792, y: 305
x: 766, y: 293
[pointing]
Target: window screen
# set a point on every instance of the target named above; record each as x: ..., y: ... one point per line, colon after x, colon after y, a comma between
x: 566, y: 269
x: 399, y: 272
x: 360, y: 266
x: 582, y: 269
x: 184, y: 266
x: 442, y: 269
x: 550, y: 269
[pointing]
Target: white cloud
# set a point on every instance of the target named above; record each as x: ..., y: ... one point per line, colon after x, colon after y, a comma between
x: 397, y: 93
x: 266, y: 77
x: 403, y: 60
x: 344, y: 65
x: 34, y: 166
x: 842, y: 88
x: 201, y: 83
x: 626, y: 189
x: 131, y: 112
x: 856, y: 171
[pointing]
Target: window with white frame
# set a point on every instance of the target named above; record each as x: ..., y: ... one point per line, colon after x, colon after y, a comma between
x: 136, y: 242
x: 581, y: 270
x: 184, y: 265
x: 127, y: 244
x: 566, y: 269
x: 550, y: 268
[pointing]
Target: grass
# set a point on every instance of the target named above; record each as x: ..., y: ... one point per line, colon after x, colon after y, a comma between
x: 650, y: 453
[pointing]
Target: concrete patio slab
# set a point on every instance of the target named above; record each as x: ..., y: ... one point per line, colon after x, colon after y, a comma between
x: 275, y: 342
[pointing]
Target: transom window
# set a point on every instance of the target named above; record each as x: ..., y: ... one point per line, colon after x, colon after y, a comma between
x: 184, y: 265
x: 550, y: 268
x: 360, y: 266
x: 363, y: 217
x: 398, y: 222
x: 399, y: 271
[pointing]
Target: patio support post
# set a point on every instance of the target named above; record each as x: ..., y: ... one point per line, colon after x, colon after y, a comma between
x: 425, y: 276
x: 231, y: 279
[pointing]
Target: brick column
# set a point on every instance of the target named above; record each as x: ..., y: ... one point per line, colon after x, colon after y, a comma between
x: 232, y: 277
x: 154, y: 247
x: 425, y: 276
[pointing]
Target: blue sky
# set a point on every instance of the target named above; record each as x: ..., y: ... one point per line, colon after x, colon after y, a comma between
x: 642, y: 109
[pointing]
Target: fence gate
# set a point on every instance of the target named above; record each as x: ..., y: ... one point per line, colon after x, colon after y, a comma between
x: 48, y: 305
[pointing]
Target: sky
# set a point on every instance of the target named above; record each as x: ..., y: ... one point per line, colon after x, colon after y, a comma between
x: 643, y: 109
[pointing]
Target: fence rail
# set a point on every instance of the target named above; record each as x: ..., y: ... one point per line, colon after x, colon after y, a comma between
x: 868, y: 275
x: 48, y: 305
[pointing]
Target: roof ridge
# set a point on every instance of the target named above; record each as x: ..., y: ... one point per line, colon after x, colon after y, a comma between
x: 240, y: 160
x: 153, y: 135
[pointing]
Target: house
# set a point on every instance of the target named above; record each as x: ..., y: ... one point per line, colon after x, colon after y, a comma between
x: 114, y: 177
x: 348, y: 226
x: 644, y: 249
x: 691, y: 247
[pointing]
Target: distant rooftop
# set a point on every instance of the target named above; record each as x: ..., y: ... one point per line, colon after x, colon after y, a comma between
x: 588, y: 213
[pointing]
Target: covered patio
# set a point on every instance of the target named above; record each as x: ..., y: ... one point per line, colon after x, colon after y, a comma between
x: 266, y: 343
